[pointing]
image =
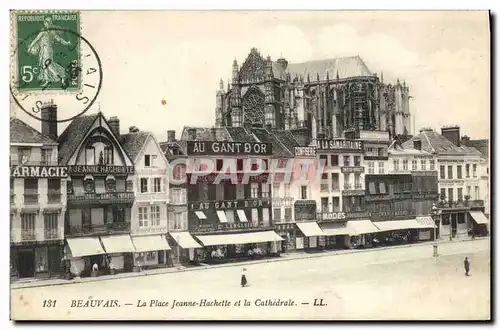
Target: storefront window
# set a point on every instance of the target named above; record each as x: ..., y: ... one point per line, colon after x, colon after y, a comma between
x: 41, y: 260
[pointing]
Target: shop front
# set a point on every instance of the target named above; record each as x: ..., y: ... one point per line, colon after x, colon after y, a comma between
x: 334, y: 227
x: 186, y: 248
x: 120, y: 253
x: 36, y: 260
x: 288, y: 232
x: 150, y: 251
x: 83, y: 253
x: 405, y: 230
x: 243, y: 245
x: 454, y: 223
x: 479, y: 226
x: 311, y: 235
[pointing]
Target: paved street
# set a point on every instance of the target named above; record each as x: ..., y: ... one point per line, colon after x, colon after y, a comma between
x: 402, y: 283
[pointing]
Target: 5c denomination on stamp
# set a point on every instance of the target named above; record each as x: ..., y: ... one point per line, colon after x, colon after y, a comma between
x: 52, y: 60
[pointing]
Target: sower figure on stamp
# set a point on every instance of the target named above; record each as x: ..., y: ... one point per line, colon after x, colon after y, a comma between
x: 43, y: 46
x: 466, y: 266
x: 243, y: 277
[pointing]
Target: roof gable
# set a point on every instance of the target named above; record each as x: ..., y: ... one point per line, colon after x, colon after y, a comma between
x: 435, y: 143
x: 20, y: 132
x: 73, y: 136
x: 133, y: 143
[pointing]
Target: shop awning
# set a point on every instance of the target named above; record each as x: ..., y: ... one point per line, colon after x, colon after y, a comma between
x: 398, y: 225
x: 310, y: 229
x: 85, y: 246
x: 222, y: 216
x: 335, y: 229
x: 200, y: 215
x: 242, y: 216
x: 185, y: 240
x: 479, y: 217
x: 243, y: 238
x: 117, y: 244
x: 426, y: 222
x: 360, y: 227
x: 150, y: 243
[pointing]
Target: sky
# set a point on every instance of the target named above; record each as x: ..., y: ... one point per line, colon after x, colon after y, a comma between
x: 147, y: 56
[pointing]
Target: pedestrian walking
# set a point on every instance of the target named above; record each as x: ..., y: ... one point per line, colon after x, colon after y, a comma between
x: 243, y: 277
x: 466, y: 266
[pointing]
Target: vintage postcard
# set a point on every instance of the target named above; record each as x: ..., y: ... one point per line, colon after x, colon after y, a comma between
x: 259, y: 165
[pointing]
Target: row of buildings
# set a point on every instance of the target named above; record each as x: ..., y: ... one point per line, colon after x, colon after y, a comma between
x: 126, y: 201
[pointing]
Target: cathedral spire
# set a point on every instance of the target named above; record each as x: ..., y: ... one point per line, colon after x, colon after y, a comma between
x: 221, y: 84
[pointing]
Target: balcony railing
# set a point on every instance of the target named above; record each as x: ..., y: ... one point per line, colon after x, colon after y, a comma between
x: 347, y: 186
x: 107, y: 197
x: 51, y: 234
x: 30, y: 199
x: 109, y: 228
x: 324, y: 188
x: 358, y: 186
x: 461, y: 204
x: 335, y: 187
x: 54, y: 198
x: 28, y: 235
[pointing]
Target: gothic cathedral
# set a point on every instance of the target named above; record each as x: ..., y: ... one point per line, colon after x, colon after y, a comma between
x: 328, y: 97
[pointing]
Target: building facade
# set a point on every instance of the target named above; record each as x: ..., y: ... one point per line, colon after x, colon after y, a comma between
x: 100, y: 195
x: 183, y: 244
x: 327, y: 96
x: 231, y: 218
x: 37, y: 199
x: 461, y: 201
x: 149, y: 213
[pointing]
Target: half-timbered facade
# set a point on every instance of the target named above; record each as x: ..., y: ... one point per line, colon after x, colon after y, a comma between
x: 100, y: 194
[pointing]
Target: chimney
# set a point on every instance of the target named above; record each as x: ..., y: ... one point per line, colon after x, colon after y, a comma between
x: 171, y: 136
x: 191, y: 134
x: 465, y: 140
x: 417, y: 144
x: 49, y: 119
x: 452, y: 133
x: 114, y: 124
x: 213, y: 134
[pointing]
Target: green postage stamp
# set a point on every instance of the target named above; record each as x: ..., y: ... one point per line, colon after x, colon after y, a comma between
x: 47, y: 51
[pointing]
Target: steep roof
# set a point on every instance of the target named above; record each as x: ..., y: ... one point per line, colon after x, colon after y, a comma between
x: 240, y: 134
x: 436, y: 143
x: 346, y: 67
x: 132, y: 143
x: 265, y: 136
x: 73, y: 135
x: 481, y: 145
x: 168, y: 147
x: 287, y: 139
x: 20, y: 132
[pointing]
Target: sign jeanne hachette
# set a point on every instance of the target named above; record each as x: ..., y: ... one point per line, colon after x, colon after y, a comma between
x: 39, y: 171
